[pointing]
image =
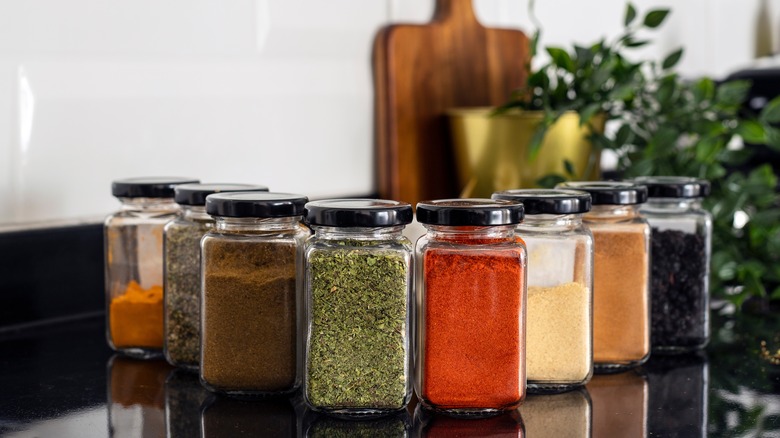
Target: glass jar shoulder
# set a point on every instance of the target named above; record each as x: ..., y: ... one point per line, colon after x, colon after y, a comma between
x: 181, y: 224
x: 514, y: 247
x: 635, y: 224
x: 295, y: 236
x: 133, y: 217
x: 316, y: 246
x: 580, y: 233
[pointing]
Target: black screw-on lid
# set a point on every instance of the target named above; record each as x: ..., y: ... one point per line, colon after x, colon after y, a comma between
x: 148, y: 187
x: 358, y: 213
x: 548, y: 201
x: 609, y: 192
x: 195, y: 194
x: 255, y: 204
x: 674, y: 186
x: 465, y: 212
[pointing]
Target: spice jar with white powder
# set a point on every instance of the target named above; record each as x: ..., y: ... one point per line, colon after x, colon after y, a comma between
x: 559, y: 334
x: 621, y: 274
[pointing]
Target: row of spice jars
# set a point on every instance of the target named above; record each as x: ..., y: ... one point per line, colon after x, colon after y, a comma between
x: 352, y: 241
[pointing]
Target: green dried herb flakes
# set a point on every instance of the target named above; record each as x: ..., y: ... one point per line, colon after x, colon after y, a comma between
x: 357, y: 347
x: 182, y: 291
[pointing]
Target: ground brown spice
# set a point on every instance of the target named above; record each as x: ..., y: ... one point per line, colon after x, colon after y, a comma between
x: 249, y: 315
x: 621, y: 323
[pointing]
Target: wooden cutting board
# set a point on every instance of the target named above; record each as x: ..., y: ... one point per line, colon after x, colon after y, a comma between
x: 420, y: 71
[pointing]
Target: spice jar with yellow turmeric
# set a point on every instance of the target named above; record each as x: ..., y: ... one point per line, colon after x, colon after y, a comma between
x: 621, y: 274
x: 559, y: 331
x: 134, y: 264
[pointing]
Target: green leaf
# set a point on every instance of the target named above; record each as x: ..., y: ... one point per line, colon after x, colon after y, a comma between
x: 535, y: 42
x: 633, y: 43
x: 630, y: 14
x: 672, y: 60
x: 733, y: 93
x: 569, y: 166
x: 775, y: 294
x: 772, y: 137
x: 561, y: 58
x: 623, y: 135
x: 771, y: 112
x: 536, y: 142
x: 642, y: 167
x: 550, y: 181
x: 655, y: 18
x: 704, y: 89
x: 751, y: 132
x: 707, y: 149
x: 588, y: 112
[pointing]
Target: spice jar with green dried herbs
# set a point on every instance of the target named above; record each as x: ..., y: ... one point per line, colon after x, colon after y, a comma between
x: 559, y: 333
x: 181, y: 243
x: 252, y: 266
x: 358, y: 281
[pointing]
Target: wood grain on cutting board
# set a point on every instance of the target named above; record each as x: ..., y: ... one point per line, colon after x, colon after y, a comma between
x: 420, y: 71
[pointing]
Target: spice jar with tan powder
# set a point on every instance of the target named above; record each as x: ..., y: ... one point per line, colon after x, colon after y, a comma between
x: 682, y: 235
x: 471, y: 296
x: 134, y: 264
x: 621, y: 274
x: 559, y: 333
x: 252, y: 265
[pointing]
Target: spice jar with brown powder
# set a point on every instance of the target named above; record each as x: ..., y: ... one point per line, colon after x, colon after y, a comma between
x: 621, y: 274
x: 181, y: 243
x: 252, y: 264
x: 559, y: 331
x: 133, y: 239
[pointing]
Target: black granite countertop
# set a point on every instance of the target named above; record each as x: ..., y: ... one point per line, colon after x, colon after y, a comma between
x: 62, y: 380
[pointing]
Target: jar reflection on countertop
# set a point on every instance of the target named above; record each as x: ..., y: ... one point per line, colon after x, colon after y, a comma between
x: 184, y: 398
x: 181, y: 244
x: 568, y: 414
x: 223, y: 417
x: 679, y: 387
x: 621, y: 274
x: 251, y: 303
x: 431, y: 424
x: 134, y: 264
x: 559, y: 334
x: 681, y: 241
x: 620, y: 404
x: 136, y: 395
x: 396, y: 425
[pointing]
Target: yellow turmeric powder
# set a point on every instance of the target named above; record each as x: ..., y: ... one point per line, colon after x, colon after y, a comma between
x: 136, y: 317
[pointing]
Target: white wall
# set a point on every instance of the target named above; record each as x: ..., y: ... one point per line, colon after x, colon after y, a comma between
x: 276, y: 92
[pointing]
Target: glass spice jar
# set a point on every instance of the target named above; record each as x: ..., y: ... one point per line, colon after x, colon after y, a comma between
x: 471, y: 271
x: 559, y: 319
x: 358, y: 282
x: 133, y: 239
x: 252, y: 266
x: 681, y: 240
x: 621, y: 274
x: 181, y: 243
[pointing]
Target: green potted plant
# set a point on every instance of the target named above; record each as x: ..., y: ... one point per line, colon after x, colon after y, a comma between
x: 661, y: 124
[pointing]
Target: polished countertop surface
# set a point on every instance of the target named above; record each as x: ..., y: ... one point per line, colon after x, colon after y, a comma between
x: 62, y: 380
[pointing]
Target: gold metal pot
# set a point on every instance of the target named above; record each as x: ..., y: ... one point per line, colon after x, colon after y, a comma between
x: 491, y: 152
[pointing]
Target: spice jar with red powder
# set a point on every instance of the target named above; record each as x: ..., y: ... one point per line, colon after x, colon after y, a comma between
x: 471, y: 271
x: 559, y: 338
x: 621, y: 274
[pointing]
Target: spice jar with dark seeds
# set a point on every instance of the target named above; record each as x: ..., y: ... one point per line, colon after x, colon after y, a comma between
x: 621, y: 274
x: 559, y: 333
x: 133, y: 239
x: 471, y: 295
x: 682, y: 232
x: 181, y: 243
x: 252, y: 266
x: 358, y: 280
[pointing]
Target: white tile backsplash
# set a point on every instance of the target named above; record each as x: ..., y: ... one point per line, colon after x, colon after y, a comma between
x: 268, y: 91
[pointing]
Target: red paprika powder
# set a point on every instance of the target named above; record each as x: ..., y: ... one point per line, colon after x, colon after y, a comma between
x: 472, y: 319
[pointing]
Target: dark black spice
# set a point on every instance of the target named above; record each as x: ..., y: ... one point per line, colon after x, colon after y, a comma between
x: 679, y: 288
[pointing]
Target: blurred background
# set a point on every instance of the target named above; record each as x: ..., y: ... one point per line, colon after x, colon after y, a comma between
x: 258, y: 91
